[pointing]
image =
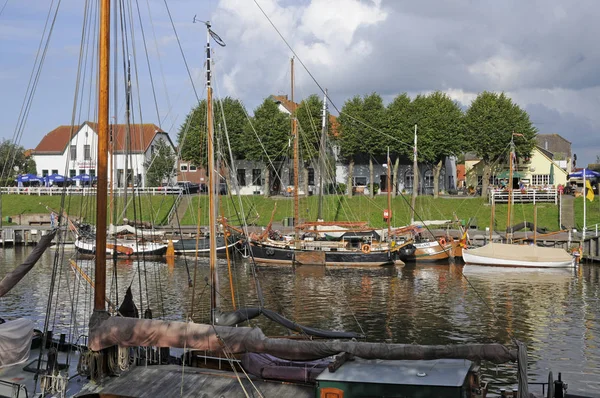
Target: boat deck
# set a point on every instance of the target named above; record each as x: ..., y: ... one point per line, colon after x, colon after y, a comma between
x: 174, y: 380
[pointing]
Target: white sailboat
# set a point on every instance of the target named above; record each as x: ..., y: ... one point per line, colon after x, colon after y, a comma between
x: 513, y: 255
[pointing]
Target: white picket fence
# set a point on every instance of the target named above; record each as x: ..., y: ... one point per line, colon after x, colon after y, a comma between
x: 88, y: 191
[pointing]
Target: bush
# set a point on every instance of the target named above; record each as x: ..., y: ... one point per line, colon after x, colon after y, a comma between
x: 340, y: 188
x: 375, y: 188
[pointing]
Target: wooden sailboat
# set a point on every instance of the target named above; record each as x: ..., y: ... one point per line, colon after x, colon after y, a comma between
x: 512, y: 255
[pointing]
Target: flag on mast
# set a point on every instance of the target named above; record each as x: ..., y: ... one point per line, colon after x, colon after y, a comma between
x: 589, y: 192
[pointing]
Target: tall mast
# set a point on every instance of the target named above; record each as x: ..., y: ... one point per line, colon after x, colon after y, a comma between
x: 389, y: 195
x: 510, y: 186
x: 212, y: 184
x: 296, y: 160
x: 127, y: 134
x: 102, y: 189
x: 322, y: 156
x: 415, y: 180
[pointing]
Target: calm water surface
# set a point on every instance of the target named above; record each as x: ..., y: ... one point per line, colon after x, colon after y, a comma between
x: 555, y: 312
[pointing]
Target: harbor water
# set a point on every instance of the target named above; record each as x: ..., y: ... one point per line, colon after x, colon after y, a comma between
x: 555, y: 312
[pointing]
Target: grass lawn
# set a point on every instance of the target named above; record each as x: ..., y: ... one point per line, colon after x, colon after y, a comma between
x: 362, y: 208
x: 153, y: 208
x: 258, y: 209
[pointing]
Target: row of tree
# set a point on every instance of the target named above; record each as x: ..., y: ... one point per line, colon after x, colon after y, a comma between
x: 14, y: 160
x: 367, y: 127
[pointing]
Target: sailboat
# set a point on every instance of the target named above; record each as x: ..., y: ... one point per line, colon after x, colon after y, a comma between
x: 327, y: 243
x: 353, y: 367
x: 512, y: 255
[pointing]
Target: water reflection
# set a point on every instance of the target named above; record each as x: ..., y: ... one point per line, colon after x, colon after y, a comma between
x: 555, y: 312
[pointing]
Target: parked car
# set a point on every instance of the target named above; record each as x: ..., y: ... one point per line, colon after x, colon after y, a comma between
x: 188, y: 187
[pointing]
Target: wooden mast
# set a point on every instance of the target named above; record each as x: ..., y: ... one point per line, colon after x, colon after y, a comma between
x: 389, y: 196
x: 510, y: 185
x: 102, y: 189
x: 212, y: 175
x: 415, y: 180
x: 322, y: 156
x: 296, y: 160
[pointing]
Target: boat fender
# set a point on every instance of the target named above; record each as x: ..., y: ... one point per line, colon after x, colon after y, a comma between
x: 289, y: 254
x: 442, y: 241
x: 366, y: 248
x: 270, y: 251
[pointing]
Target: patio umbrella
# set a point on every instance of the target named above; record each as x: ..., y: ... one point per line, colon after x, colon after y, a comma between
x: 28, y: 178
x: 83, y: 177
x: 505, y: 174
x: 588, y: 174
x: 551, y: 178
x: 56, y: 178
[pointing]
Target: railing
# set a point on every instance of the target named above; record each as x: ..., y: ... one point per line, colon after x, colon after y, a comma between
x: 525, y: 196
x: 39, y: 191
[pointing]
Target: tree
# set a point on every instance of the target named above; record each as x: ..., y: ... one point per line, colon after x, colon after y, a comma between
x: 160, y: 165
x: 14, y: 161
x: 229, y: 114
x: 266, y: 137
x: 361, y: 121
x: 440, y: 130
x: 490, y: 122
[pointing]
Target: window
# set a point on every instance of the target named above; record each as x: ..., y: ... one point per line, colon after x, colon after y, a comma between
x: 87, y: 154
x: 73, y: 152
x: 72, y: 173
x: 479, y: 181
x: 311, y: 176
x: 428, y: 178
x: 81, y: 171
x: 360, y: 182
x: 183, y: 167
x: 92, y: 173
x: 408, y: 179
x: 540, y: 179
x: 256, y: 177
x: 55, y: 171
x: 494, y: 180
x: 241, y: 177
x: 44, y: 173
x: 193, y: 167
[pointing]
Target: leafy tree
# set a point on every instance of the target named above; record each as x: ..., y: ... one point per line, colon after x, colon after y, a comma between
x: 160, y: 166
x: 14, y: 161
x: 440, y: 132
x: 228, y: 113
x: 266, y: 137
x: 360, y: 123
x: 490, y: 122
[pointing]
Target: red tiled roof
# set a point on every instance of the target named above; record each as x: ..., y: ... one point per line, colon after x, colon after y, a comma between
x: 283, y: 100
x: 55, y: 141
x: 141, y: 135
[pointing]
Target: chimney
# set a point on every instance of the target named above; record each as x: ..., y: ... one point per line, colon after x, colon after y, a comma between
x: 546, y: 145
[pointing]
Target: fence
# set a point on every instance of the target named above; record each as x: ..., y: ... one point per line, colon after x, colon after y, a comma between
x: 39, y: 191
x: 525, y: 196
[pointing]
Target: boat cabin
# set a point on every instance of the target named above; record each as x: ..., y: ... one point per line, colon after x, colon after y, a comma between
x: 443, y: 378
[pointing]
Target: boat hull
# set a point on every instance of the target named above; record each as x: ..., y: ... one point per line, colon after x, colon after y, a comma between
x: 266, y: 254
x: 518, y: 256
x: 136, y: 249
x: 188, y: 246
x: 430, y: 252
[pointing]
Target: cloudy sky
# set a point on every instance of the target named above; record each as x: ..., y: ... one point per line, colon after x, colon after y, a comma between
x: 542, y: 53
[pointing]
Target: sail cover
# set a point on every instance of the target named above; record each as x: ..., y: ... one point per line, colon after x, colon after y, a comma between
x: 15, y: 341
x: 13, y: 277
x: 108, y: 331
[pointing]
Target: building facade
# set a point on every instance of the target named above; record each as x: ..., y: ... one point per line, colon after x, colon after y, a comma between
x: 72, y: 151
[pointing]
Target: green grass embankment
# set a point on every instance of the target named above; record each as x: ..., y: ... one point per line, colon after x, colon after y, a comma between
x: 335, y: 208
x: 147, y: 208
x: 362, y: 208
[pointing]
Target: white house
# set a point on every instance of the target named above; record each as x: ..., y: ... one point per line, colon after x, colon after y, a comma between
x: 73, y: 150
